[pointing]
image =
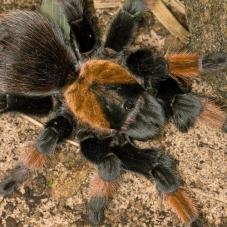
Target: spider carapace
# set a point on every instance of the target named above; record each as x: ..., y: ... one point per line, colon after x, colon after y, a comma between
x: 107, y: 95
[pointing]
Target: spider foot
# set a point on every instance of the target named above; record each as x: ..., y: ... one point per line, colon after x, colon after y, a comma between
x: 101, y: 192
x: 181, y: 204
x: 96, y: 210
x: 18, y: 175
x: 31, y: 160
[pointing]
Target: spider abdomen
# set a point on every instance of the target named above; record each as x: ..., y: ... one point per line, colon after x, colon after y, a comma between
x: 34, y: 59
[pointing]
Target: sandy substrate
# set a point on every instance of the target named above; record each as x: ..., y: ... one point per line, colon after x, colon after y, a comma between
x: 57, y: 196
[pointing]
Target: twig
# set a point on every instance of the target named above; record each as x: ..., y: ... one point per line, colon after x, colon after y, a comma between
x: 176, y: 4
x: 197, y: 191
x: 106, y: 4
x: 33, y: 121
x: 167, y: 19
x: 40, y: 125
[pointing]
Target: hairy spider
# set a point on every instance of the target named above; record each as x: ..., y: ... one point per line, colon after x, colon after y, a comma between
x: 107, y: 96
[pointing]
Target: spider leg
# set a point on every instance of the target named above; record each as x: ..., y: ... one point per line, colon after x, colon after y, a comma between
x: 185, y: 108
x: 151, y: 163
x: 105, y: 182
x: 124, y: 25
x: 25, y: 104
x: 82, y: 26
x: 35, y: 154
x: 17, y: 176
x: 155, y: 164
x: 150, y: 68
x: 102, y: 187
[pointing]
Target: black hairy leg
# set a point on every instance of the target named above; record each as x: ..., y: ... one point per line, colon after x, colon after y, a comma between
x: 155, y: 164
x: 26, y: 104
x: 36, y: 153
x: 81, y: 24
x: 152, y: 163
x: 124, y: 25
x: 105, y: 181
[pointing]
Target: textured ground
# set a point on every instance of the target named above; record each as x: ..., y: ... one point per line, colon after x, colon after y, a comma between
x: 58, y: 195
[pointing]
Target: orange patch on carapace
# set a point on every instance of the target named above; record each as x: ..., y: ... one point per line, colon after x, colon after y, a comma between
x: 181, y: 204
x: 184, y: 65
x: 81, y: 97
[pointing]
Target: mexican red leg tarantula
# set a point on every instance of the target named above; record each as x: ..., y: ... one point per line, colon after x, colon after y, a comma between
x: 108, y: 96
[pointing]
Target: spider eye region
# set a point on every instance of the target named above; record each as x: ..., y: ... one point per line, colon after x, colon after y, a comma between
x: 129, y: 105
x: 146, y: 121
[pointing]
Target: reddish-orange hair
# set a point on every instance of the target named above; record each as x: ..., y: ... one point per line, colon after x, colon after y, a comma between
x: 184, y: 65
x: 101, y: 188
x: 32, y: 158
x: 212, y: 114
x: 182, y: 205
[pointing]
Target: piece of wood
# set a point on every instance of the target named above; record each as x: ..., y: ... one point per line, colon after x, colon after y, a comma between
x: 167, y: 19
x: 106, y: 4
x: 176, y: 4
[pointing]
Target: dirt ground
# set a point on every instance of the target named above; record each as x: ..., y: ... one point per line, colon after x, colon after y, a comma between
x: 57, y: 196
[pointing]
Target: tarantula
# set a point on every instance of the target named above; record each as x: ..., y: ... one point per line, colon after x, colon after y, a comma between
x: 106, y: 95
